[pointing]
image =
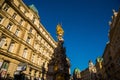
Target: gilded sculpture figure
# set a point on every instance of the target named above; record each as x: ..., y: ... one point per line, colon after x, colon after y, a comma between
x: 59, y: 32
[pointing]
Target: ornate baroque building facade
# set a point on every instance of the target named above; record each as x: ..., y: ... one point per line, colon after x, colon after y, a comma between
x: 111, y: 55
x: 109, y: 67
x: 90, y: 72
x: 76, y: 74
x: 85, y: 74
x: 23, y: 39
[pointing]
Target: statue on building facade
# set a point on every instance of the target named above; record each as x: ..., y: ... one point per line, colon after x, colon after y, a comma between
x: 92, y: 70
x: 76, y: 74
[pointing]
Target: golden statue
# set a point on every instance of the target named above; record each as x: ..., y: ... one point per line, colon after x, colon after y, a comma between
x: 59, y: 32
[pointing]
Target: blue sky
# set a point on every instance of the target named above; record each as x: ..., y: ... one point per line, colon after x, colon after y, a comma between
x: 85, y: 23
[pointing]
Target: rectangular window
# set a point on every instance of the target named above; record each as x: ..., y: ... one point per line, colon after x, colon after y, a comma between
x: 6, y: 8
x: 24, y: 53
x: 9, y: 26
x: 33, y: 58
x: 3, y: 69
x: 11, y: 46
x: 17, y: 32
x: 21, y: 21
x: 28, y: 40
x: 2, y: 41
x: 35, y: 45
x: 1, y: 18
x: 14, y: 15
x: 30, y: 29
x: 5, y: 65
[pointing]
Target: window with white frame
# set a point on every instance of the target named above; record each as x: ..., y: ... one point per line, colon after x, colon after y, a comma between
x: 11, y: 47
x: 9, y: 26
x: 17, y: 32
x: 6, y: 7
x: 25, y: 52
x: 2, y: 41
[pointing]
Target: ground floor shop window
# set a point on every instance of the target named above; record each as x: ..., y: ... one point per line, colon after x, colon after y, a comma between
x: 3, y: 68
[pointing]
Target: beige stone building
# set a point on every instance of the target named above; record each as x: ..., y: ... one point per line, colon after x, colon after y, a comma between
x: 23, y: 39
